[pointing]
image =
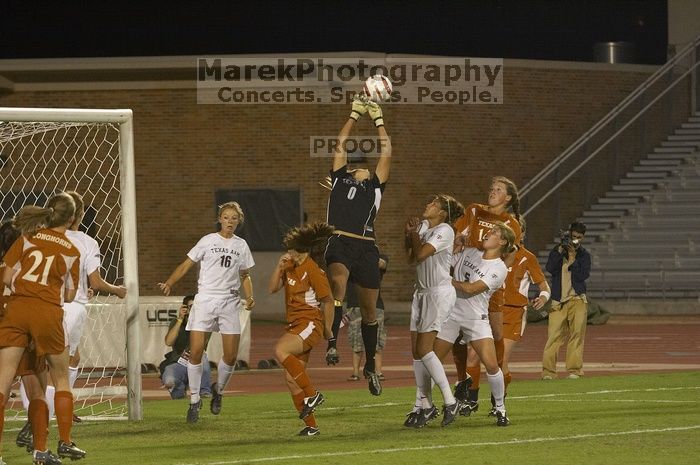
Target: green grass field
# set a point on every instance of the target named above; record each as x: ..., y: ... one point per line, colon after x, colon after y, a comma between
x: 638, y: 419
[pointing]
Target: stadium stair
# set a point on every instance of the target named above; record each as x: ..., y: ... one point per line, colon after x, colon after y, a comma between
x: 644, y: 234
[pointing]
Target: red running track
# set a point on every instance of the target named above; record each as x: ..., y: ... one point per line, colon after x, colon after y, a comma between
x: 624, y: 345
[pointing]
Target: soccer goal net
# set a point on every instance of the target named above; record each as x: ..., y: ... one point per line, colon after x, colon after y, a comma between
x: 44, y: 151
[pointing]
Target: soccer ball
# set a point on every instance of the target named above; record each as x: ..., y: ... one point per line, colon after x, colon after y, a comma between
x: 378, y: 88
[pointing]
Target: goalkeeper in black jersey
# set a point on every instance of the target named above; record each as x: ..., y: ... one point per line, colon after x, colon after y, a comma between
x: 351, y: 252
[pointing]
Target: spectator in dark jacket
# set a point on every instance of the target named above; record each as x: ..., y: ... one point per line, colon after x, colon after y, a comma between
x: 570, y: 266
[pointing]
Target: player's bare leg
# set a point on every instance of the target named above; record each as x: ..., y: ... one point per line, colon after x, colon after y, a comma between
x: 338, y: 278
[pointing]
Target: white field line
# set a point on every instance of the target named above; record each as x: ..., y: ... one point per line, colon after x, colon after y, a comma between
x: 451, y: 446
x: 537, y: 396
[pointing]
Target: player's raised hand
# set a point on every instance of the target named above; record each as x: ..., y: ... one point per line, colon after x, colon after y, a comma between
x: 411, y: 224
x: 375, y: 112
x: 359, y: 107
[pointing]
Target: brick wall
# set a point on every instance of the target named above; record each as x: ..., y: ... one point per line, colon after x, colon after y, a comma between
x: 184, y: 152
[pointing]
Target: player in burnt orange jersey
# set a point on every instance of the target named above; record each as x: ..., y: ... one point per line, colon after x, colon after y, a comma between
x: 524, y: 271
x: 42, y: 271
x: 477, y: 220
x: 309, y: 305
x: 30, y: 366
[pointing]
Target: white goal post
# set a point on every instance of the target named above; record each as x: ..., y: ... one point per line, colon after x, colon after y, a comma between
x: 41, y: 142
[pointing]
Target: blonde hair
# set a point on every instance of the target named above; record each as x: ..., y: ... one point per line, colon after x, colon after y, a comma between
x: 59, y: 211
x: 508, y: 235
x: 512, y: 190
x: 232, y: 206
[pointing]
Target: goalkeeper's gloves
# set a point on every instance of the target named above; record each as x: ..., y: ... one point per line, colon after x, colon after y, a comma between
x: 375, y: 112
x: 359, y: 107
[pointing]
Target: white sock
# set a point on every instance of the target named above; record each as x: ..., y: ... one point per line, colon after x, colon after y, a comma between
x: 194, y: 377
x: 72, y: 375
x: 23, y: 395
x: 437, y: 372
x: 223, y: 375
x: 50, y: 394
x: 423, y: 397
x: 497, y: 389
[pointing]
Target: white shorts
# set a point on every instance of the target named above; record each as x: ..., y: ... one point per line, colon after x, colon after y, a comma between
x: 431, y: 307
x: 215, y: 314
x: 472, y: 330
x: 74, y: 317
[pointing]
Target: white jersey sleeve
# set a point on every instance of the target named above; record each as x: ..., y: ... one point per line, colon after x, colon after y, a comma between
x: 92, y: 258
x: 495, y: 277
x: 247, y: 258
x: 443, y: 238
x: 196, y: 254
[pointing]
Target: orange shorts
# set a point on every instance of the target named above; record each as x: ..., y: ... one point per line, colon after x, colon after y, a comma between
x: 513, y: 322
x: 496, y: 301
x: 31, y: 318
x: 310, y: 331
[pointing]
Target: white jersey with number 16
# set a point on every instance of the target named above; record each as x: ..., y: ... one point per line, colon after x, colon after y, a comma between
x: 220, y: 261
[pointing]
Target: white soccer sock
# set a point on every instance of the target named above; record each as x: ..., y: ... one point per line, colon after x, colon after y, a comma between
x: 72, y: 375
x: 423, y: 388
x: 223, y: 375
x: 23, y: 395
x: 497, y: 389
x: 194, y: 377
x: 50, y: 391
x: 437, y: 372
x: 50, y: 394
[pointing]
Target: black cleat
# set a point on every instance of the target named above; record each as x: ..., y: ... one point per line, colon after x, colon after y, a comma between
x: 215, y: 404
x: 373, y: 383
x: 70, y: 450
x: 332, y: 357
x: 309, y: 431
x: 412, y: 417
x: 449, y: 413
x: 462, y: 389
x: 426, y: 415
x: 25, y: 437
x: 310, y: 404
x: 502, y: 419
x: 45, y: 458
x: 468, y: 408
x: 193, y: 412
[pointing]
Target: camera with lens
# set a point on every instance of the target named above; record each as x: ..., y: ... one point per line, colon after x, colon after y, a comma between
x: 565, y: 239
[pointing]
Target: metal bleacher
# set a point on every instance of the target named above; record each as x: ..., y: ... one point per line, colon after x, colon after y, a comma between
x: 644, y: 234
x: 636, y: 176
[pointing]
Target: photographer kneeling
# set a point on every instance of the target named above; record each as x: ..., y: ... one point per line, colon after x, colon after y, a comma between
x: 174, y: 368
x: 570, y: 265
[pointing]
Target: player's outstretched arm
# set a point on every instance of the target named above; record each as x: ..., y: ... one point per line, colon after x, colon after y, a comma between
x: 176, y: 275
x: 384, y: 164
x: 340, y: 158
x: 99, y: 284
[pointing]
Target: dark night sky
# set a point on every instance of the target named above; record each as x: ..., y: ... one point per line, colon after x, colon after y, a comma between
x: 537, y: 29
